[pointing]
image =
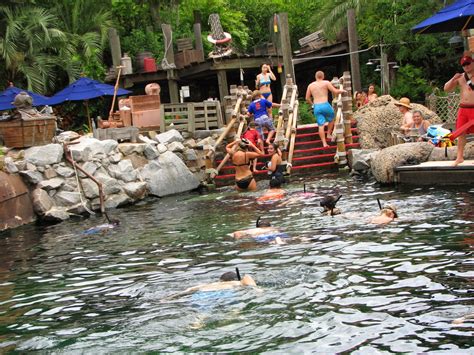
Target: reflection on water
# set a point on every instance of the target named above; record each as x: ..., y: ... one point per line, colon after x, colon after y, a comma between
x: 339, y: 285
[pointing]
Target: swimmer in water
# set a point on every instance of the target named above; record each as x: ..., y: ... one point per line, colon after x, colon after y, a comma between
x: 228, y: 281
x: 274, y: 193
x: 263, y: 232
x: 387, y: 215
x: 102, y: 228
x: 329, y: 205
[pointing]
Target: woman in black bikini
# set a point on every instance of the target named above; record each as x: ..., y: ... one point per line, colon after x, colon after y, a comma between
x: 241, y: 157
x: 275, y: 166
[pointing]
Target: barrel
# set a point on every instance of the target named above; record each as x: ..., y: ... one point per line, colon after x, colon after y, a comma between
x: 140, y: 58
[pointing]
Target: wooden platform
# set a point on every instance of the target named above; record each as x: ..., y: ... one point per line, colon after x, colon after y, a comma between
x: 436, y: 173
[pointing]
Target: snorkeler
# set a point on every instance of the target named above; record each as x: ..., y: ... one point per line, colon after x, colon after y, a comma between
x: 102, y: 228
x: 228, y: 281
x: 263, y: 232
x: 387, y: 214
x: 329, y: 205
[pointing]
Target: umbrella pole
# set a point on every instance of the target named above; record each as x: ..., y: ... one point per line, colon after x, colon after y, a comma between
x: 86, y: 102
x: 115, y: 91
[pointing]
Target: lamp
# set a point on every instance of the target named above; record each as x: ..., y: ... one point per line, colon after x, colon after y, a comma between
x: 396, y: 66
x: 378, y: 68
x: 369, y: 63
x: 456, y: 39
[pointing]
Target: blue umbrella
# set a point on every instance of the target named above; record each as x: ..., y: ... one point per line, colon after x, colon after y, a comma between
x: 85, y: 89
x: 7, y: 97
x: 458, y: 16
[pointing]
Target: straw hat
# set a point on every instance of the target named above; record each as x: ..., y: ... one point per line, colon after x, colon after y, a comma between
x: 404, y: 101
x: 393, y: 208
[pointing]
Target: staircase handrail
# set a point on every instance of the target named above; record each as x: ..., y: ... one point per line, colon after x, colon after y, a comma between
x: 340, y: 156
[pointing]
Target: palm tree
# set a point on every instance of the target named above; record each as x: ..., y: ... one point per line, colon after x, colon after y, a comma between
x: 29, y: 46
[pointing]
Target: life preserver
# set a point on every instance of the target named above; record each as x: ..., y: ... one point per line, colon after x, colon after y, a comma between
x: 227, y: 38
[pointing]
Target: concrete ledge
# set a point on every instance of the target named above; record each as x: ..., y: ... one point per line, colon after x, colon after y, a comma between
x: 436, y: 173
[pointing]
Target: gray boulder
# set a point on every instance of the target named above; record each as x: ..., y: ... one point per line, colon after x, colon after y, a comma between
x: 384, y: 163
x: 41, y: 201
x: 88, y: 149
x: 90, y: 188
x: 32, y: 177
x: 44, y: 154
x: 130, y: 148
x: 169, y: 137
x: 10, y: 166
x: 109, y: 185
x: 56, y: 214
x: 168, y: 175
x: 66, y: 198
x: 151, y: 152
x: 109, y: 145
x: 123, y: 170
x: 360, y: 159
x: 51, y: 184
x: 176, y: 147
x: 117, y: 200
x: 136, y: 190
x: 64, y: 171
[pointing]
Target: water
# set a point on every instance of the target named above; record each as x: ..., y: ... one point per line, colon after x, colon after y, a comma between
x: 339, y: 285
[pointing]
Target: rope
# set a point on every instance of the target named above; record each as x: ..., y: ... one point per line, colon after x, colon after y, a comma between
x: 83, y: 203
x: 164, y: 62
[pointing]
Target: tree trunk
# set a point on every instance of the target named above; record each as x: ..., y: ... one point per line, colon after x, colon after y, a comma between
x: 353, y: 47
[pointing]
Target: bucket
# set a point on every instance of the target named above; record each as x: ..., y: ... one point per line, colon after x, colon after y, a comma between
x: 126, y: 62
x: 140, y: 58
x: 150, y: 65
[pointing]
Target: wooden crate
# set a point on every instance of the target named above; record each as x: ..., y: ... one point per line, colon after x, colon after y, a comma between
x: 184, y: 43
x: 21, y: 133
x: 144, y: 102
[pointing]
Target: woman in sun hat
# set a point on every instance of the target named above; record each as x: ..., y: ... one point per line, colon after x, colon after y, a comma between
x: 404, y: 107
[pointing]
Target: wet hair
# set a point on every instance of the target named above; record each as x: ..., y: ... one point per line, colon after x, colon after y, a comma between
x: 229, y: 276
x: 329, y: 202
x: 261, y: 223
x: 243, y: 145
x: 252, y: 124
x: 275, y: 182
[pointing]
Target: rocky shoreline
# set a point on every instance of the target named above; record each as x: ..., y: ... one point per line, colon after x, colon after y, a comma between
x: 165, y: 165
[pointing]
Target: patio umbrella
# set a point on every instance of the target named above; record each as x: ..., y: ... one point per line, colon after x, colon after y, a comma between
x: 85, y: 89
x: 7, y: 97
x: 458, y: 16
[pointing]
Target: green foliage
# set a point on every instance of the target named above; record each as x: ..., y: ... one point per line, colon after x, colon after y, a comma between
x: 411, y: 83
x: 305, y: 113
x: 141, y: 40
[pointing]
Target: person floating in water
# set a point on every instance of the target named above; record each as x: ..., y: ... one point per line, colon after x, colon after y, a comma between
x: 387, y: 214
x: 228, y: 281
x: 263, y: 232
x: 102, y: 228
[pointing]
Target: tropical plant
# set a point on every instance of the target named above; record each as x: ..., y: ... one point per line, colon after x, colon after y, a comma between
x: 30, y: 44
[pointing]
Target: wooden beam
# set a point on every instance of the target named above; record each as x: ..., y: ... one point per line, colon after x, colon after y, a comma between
x: 173, y: 86
x: 115, y: 49
x: 223, y: 86
x: 244, y: 63
x: 286, y: 46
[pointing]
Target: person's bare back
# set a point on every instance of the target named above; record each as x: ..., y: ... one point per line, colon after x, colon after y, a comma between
x: 319, y: 91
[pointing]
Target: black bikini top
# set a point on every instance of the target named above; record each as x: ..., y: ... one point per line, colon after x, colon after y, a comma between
x: 246, y: 162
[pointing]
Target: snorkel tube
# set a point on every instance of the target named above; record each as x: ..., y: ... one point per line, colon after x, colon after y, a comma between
x: 238, y: 273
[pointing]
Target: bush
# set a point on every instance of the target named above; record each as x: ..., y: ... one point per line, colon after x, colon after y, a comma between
x: 305, y: 113
x: 141, y: 40
x: 411, y: 83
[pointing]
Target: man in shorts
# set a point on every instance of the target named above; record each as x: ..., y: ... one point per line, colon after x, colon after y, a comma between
x: 258, y: 108
x: 317, y: 96
x: 466, y: 108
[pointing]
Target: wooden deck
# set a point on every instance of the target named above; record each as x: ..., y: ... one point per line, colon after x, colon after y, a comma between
x: 436, y: 173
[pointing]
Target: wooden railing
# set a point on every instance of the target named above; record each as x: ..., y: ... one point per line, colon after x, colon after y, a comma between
x: 191, y: 116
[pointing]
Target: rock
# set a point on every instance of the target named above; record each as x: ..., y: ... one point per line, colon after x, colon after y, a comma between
x: 64, y: 171
x: 169, y: 137
x: 176, y: 147
x: 206, y: 142
x: 115, y: 158
x: 66, y: 198
x: 51, y: 184
x: 145, y: 139
x: 190, y: 155
x: 116, y: 200
x: 77, y: 209
x: 136, y: 190
x: 161, y: 148
x: 87, y: 150
x: 21, y: 165
x: 30, y: 166
x: 41, y: 169
x: 110, y: 146
x: 109, y: 185
x: 89, y: 167
x: 150, y: 152
x: 202, y: 134
x: 10, y: 166
x: 129, y: 148
x: 56, y: 214
x: 50, y: 173
x: 90, y: 188
x: 123, y: 170
x: 41, y: 201
x: 360, y: 159
x: 66, y: 137
x: 168, y: 175
x: 190, y: 143
x: 32, y: 177
x: 378, y: 118
x: 44, y: 154
x: 138, y: 161
x: 384, y: 163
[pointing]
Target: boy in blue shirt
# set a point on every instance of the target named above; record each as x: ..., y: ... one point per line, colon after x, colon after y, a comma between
x: 259, y: 108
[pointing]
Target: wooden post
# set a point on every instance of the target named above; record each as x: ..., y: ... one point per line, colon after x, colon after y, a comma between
x: 197, y: 35
x: 191, y: 117
x: 385, y: 74
x: 115, y: 49
x: 341, y: 154
x: 347, y: 107
x: 171, y: 74
x: 162, y: 118
x: 222, y: 82
x: 288, y: 68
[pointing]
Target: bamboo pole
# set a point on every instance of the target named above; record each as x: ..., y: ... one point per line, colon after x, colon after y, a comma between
x: 292, y: 138
x: 340, y: 156
x: 347, y: 107
x: 115, y: 91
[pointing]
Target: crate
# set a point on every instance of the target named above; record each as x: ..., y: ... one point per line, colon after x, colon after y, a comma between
x: 22, y: 133
x: 144, y: 102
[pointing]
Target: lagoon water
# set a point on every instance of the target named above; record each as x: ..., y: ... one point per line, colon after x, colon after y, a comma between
x: 339, y: 285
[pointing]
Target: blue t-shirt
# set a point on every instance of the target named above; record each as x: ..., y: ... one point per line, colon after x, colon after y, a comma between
x: 259, y: 107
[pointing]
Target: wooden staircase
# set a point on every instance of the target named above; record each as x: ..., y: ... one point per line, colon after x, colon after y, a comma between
x: 309, y: 155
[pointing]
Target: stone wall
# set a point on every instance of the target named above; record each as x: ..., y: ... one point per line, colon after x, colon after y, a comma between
x: 128, y: 172
x: 378, y: 118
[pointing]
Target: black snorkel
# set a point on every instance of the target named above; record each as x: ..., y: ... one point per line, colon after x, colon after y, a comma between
x: 380, y: 205
x: 257, y: 224
x: 238, y: 273
x: 304, y: 188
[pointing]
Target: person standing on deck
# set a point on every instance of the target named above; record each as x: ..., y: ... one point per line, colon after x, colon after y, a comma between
x: 317, y: 96
x: 466, y: 107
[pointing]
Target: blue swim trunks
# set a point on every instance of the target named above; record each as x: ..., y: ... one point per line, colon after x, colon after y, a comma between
x: 323, y: 113
x: 265, y: 238
x: 206, y: 300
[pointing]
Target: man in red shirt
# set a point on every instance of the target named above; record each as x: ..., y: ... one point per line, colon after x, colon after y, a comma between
x: 253, y: 136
